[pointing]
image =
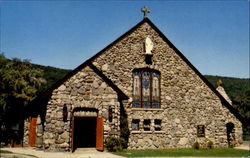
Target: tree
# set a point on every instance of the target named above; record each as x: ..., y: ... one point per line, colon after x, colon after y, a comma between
x: 242, y: 104
x: 19, y: 84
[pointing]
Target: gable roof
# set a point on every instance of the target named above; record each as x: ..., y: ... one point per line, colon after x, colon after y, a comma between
x: 121, y: 94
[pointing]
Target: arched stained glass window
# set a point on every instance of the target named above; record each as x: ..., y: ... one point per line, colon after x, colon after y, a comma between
x: 146, y: 85
x: 155, y: 90
x: 146, y: 88
x: 137, y: 89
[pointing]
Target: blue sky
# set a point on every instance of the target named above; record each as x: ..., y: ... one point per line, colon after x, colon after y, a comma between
x: 213, y: 35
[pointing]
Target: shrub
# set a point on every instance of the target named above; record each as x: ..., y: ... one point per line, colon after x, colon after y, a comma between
x: 124, y: 132
x: 232, y: 144
x: 114, y: 144
x: 123, y: 143
x: 124, y: 126
x: 210, y: 145
x: 196, y: 145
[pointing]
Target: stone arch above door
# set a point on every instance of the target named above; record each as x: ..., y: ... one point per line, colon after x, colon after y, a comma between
x: 86, y: 112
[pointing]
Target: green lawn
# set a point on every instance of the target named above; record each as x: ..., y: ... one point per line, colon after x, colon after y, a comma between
x: 15, y: 155
x: 218, y: 152
x: 5, y: 152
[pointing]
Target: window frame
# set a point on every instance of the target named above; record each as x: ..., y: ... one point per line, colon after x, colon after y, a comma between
x: 147, y: 125
x: 138, y: 124
x: 141, y: 102
x: 158, y: 124
x: 201, y: 131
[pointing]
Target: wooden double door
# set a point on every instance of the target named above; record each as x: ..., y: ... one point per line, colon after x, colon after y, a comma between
x: 87, y: 132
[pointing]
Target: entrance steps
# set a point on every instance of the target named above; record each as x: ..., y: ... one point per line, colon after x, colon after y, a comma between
x: 246, y: 143
x: 245, y: 146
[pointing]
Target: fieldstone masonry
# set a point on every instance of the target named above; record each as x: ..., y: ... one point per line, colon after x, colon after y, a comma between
x: 222, y: 91
x: 39, y: 133
x: 186, y: 101
x: 26, y: 133
x: 85, y: 90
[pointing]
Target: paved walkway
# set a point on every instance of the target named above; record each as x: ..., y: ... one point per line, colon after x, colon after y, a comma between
x: 79, y: 153
x: 28, y: 152
x: 244, y: 146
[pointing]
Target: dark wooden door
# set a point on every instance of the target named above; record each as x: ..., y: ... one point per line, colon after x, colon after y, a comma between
x: 32, y: 132
x: 99, y: 134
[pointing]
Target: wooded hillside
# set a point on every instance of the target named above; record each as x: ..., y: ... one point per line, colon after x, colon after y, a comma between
x: 233, y: 86
x: 51, y: 74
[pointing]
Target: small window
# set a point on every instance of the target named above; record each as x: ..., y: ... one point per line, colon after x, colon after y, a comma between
x: 201, y: 131
x: 110, y: 114
x: 146, y: 125
x: 148, y: 59
x: 135, y: 125
x: 65, y: 113
x: 157, y: 125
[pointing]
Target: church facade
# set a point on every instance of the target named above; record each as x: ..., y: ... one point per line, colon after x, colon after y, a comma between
x: 143, y: 78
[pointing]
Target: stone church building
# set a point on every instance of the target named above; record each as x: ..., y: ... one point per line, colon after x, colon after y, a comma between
x: 144, y: 78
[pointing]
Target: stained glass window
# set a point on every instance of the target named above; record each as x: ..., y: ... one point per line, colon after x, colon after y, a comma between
x: 137, y: 90
x: 155, y: 90
x: 146, y: 88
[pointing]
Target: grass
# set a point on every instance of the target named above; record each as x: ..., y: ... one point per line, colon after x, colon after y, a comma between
x: 17, y: 155
x: 5, y: 152
x: 218, y: 152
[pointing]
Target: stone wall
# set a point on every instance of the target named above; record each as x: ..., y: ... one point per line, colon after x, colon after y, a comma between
x: 84, y: 90
x: 39, y: 132
x: 186, y: 101
x: 26, y: 128
x: 222, y: 91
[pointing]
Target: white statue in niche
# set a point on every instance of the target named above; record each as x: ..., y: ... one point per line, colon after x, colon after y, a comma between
x: 148, y: 45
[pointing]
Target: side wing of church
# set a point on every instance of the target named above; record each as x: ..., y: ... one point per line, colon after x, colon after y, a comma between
x: 143, y: 78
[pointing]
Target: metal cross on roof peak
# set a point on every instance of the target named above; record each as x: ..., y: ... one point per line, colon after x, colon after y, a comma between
x: 145, y: 10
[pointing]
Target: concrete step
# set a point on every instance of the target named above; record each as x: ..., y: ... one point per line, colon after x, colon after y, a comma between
x: 246, y: 143
x: 245, y: 146
x: 85, y: 150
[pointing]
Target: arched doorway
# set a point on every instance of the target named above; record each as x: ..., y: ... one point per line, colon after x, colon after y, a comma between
x: 230, y: 134
x: 87, y: 129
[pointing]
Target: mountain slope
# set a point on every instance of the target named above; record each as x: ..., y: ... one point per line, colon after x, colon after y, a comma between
x: 233, y: 86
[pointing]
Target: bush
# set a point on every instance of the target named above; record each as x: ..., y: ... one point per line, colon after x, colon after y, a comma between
x: 232, y: 144
x: 124, y: 143
x: 124, y: 126
x: 124, y: 132
x: 210, y: 145
x: 114, y: 144
x: 196, y: 145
